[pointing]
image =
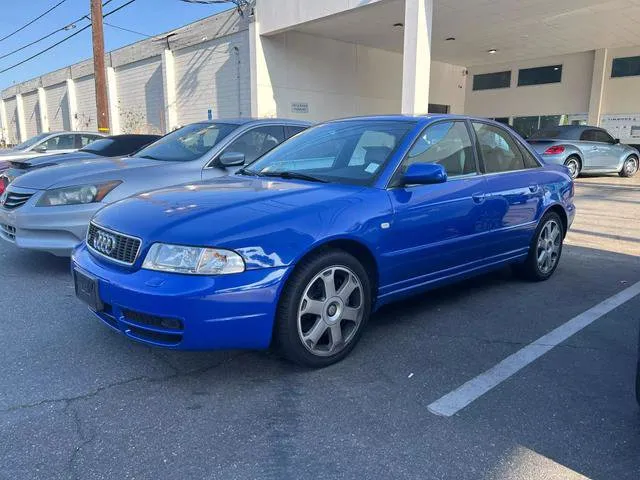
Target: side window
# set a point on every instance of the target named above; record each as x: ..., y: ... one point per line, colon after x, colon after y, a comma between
x: 60, y: 142
x: 294, y: 130
x: 588, y: 136
x: 602, y: 136
x: 500, y: 152
x: 257, y: 142
x: 84, y: 140
x: 447, y: 144
x: 529, y: 160
x: 372, y: 149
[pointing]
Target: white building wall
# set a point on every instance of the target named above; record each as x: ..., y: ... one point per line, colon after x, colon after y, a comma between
x: 141, y: 96
x: 86, y: 103
x: 213, y: 76
x: 570, y: 96
x: 58, y: 107
x: 32, y: 113
x: 448, y: 86
x: 622, y: 94
x: 13, y: 134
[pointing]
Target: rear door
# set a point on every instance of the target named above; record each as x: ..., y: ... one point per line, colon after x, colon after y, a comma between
x: 514, y: 197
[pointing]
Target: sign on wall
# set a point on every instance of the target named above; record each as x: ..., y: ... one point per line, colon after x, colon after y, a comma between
x: 625, y: 127
x: 299, y: 107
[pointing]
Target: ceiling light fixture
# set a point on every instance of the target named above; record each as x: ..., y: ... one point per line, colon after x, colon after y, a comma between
x: 398, y: 25
x: 491, y: 51
x: 449, y: 39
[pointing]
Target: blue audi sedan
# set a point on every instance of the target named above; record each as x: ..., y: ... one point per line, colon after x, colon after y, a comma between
x: 298, y: 249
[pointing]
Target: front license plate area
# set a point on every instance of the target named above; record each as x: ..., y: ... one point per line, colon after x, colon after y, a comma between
x: 87, y: 290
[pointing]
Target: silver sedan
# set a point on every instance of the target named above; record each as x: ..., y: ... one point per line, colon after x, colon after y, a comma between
x: 49, y: 209
x: 585, y: 149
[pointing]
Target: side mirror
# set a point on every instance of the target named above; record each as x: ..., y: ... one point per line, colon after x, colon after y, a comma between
x: 231, y: 159
x: 41, y: 148
x: 424, y: 174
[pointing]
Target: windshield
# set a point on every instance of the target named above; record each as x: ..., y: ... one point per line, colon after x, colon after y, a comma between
x: 31, y: 142
x: 351, y: 152
x: 187, y: 143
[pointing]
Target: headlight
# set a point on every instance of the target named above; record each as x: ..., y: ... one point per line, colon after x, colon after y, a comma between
x: 192, y: 260
x: 76, y: 195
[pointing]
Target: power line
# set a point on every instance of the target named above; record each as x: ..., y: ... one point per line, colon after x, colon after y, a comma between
x: 32, y: 21
x: 64, y: 39
x: 48, y: 35
x: 125, y: 30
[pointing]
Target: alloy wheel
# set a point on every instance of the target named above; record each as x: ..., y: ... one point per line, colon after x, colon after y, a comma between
x: 631, y: 166
x: 548, y: 247
x: 573, y: 166
x: 330, y: 311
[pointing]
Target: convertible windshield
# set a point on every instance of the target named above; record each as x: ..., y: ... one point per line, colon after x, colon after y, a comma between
x: 31, y: 142
x: 188, y: 143
x: 351, y: 152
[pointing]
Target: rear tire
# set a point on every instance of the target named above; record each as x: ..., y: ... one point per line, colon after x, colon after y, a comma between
x: 323, y: 309
x: 545, y: 250
x: 629, y: 167
x: 574, y: 165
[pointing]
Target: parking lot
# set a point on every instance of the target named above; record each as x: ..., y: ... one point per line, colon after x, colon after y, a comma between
x: 78, y: 401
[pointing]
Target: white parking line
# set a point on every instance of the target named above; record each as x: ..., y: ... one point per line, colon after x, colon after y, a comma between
x: 458, y: 399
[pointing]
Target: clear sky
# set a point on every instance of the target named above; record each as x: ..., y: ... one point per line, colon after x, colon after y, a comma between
x: 145, y: 16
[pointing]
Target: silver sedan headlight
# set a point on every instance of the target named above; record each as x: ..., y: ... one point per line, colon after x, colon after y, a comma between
x: 192, y: 260
x: 76, y: 195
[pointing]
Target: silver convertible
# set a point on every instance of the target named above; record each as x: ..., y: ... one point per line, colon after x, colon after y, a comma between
x: 585, y: 149
x: 49, y: 209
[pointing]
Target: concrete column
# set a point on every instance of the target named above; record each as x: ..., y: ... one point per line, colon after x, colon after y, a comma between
x: 114, y: 108
x: 263, y: 103
x: 42, y: 108
x: 416, y: 62
x: 596, y: 99
x: 4, y: 128
x: 72, y: 103
x: 170, y: 99
x: 22, y: 123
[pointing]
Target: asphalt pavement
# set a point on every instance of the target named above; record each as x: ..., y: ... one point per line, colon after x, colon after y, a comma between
x: 79, y: 401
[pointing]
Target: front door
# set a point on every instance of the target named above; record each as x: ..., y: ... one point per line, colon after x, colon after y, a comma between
x: 434, y: 228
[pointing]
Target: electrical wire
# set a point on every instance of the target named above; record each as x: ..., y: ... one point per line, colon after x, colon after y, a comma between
x: 125, y: 30
x: 49, y: 34
x: 33, y: 21
x: 64, y: 39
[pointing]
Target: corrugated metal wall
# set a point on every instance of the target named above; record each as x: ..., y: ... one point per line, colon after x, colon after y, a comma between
x: 141, y: 96
x: 32, y: 113
x: 86, y: 102
x: 213, y: 76
x: 12, y: 121
x: 58, y: 107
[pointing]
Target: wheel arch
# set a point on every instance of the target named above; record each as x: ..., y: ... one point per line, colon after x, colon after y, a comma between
x: 562, y: 213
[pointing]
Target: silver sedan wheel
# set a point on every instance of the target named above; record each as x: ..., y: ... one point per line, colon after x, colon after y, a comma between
x: 631, y: 166
x: 548, y: 248
x: 330, y: 311
x: 573, y: 166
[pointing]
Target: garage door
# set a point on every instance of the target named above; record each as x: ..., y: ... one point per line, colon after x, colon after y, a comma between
x: 141, y: 96
x: 32, y: 114
x: 86, y: 101
x: 58, y: 107
x: 12, y: 121
x: 213, y: 76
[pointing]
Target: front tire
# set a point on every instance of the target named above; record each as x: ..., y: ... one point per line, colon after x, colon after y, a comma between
x: 574, y: 165
x: 545, y: 250
x: 629, y: 167
x: 323, y: 309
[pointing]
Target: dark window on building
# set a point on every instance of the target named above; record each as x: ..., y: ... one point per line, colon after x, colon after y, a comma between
x: 626, y: 67
x: 503, y: 120
x: 540, y: 75
x: 488, y: 81
x: 437, y: 108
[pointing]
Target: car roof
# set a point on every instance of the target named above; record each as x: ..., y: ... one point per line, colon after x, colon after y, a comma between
x: 125, y: 136
x: 416, y: 118
x: 247, y: 120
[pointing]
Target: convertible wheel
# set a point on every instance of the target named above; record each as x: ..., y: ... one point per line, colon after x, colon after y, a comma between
x: 630, y: 167
x: 574, y: 166
x: 323, y: 309
x: 545, y: 250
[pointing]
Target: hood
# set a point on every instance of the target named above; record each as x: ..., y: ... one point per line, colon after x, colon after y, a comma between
x: 11, y: 155
x: 47, y: 160
x: 81, y: 172
x: 227, y: 210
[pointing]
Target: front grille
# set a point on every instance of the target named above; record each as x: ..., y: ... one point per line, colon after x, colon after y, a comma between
x: 8, y: 232
x: 15, y: 200
x: 113, y: 245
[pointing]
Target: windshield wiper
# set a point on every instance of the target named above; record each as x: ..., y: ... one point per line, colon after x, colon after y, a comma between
x: 294, y: 176
x: 246, y: 171
x: 148, y: 157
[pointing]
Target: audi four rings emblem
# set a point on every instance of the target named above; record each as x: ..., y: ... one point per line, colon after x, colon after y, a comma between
x: 104, y: 242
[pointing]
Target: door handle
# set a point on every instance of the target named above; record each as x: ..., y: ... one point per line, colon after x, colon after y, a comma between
x: 594, y: 148
x: 478, y: 198
x: 534, y: 188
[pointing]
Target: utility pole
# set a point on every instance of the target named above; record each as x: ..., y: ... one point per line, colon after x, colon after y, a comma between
x: 99, y: 70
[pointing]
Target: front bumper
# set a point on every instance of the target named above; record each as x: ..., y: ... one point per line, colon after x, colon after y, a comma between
x: 57, y: 230
x: 186, y: 312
